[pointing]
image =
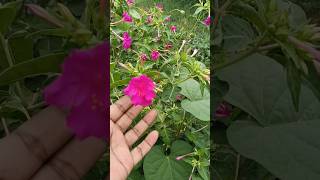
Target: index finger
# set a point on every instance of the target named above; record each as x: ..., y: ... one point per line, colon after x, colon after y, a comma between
x: 119, y: 108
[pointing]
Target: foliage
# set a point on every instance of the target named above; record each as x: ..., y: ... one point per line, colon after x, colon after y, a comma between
x: 182, y: 80
x: 272, y: 76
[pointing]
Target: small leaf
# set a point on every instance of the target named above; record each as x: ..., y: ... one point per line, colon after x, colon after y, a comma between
x: 134, y: 14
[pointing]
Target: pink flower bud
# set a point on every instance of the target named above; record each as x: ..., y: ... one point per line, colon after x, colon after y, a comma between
x: 155, y: 55
x: 207, y: 21
x: 126, y: 17
x: 173, y: 29
x: 130, y: 2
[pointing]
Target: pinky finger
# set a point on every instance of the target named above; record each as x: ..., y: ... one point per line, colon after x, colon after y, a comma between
x: 144, y: 147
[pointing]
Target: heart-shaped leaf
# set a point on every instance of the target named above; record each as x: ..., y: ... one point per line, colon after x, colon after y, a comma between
x: 159, y: 166
x: 284, y: 141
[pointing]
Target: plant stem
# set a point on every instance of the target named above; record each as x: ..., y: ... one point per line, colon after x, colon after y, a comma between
x: 228, y: 63
x: 119, y: 37
x: 5, y: 127
x: 237, y: 167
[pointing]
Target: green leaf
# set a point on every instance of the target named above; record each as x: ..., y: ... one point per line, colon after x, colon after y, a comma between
x: 41, y: 65
x: 199, y: 108
x: 284, y: 141
x: 258, y: 86
x: 134, y: 13
x: 237, y: 33
x: 291, y: 151
x: 197, y: 104
x: 7, y: 15
x: 21, y: 48
x: 159, y: 166
x: 191, y: 89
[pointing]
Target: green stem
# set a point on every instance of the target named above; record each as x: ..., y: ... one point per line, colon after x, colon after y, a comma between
x: 237, y: 167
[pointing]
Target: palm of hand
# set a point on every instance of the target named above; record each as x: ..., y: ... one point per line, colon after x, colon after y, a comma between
x: 122, y: 157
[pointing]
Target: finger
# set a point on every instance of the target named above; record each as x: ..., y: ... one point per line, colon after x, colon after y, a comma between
x: 127, y: 118
x: 144, y: 147
x: 119, y: 108
x: 25, y: 150
x: 134, y: 134
x: 73, y: 161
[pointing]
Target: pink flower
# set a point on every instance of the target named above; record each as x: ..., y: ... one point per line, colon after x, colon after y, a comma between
x: 159, y: 6
x: 141, y: 90
x: 130, y: 2
x: 82, y: 89
x: 168, y: 46
x: 155, y: 55
x: 149, y: 19
x: 179, y: 97
x: 207, y: 21
x: 173, y: 28
x: 126, y: 43
x: 143, y: 57
x: 167, y: 18
x: 126, y: 17
x: 223, y: 110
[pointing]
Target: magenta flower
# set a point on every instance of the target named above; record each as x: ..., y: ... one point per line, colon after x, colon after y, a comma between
x: 223, y: 110
x: 167, y: 18
x: 141, y: 90
x: 149, y: 19
x: 143, y: 57
x: 130, y: 2
x: 173, y: 28
x: 126, y: 17
x: 159, y: 6
x: 179, y: 97
x: 82, y: 90
x: 155, y: 55
x: 126, y: 43
x: 207, y: 21
x: 168, y: 46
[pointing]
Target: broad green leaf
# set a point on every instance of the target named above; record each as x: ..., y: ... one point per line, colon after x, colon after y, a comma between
x: 191, y: 89
x: 197, y: 104
x: 284, y: 141
x: 237, y: 33
x: 134, y: 13
x: 199, y: 108
x: 258, y: 86
x: 291, y: 151
x: 159, y: 166
x: 41, y: 65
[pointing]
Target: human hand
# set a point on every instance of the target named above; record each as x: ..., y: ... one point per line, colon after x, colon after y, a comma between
x: 44, y: 148
x: 122, y: 157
